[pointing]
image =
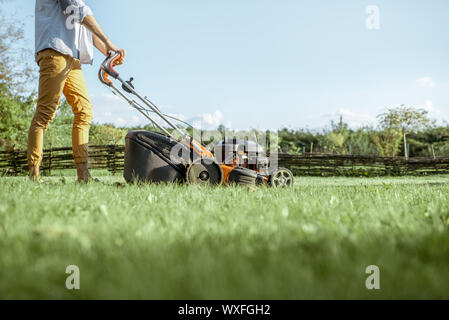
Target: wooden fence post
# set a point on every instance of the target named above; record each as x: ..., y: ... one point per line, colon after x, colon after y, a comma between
x: 14, y: 161
x: 49, y: 159
x: 113, y: 160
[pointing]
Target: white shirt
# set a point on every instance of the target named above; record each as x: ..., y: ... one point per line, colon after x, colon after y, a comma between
x: 58, y: 27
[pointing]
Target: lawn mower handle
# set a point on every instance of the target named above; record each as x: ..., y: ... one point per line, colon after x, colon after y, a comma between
x: 107, y: 69
x: 112, y: 60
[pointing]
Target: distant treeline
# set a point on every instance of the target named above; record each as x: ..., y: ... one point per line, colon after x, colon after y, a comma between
x: 429, y: 141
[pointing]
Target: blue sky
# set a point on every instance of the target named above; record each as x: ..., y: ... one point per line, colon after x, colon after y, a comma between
x: 271, y: 64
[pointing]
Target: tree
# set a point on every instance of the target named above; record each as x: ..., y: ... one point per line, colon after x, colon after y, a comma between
x: 336, y: 139
x: 17, y: 66
x: 432, y: 142
x: 59, y: 131
x: 107, y: 134
x: 15, y: 116
x: 387, y: 141
x: 405, y: 120
x: 360, y: 142
x: 17, y: 81
x: 335, y: 142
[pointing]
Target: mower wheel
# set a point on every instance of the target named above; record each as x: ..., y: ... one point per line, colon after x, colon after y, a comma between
x: 243, y: 176
x: 281, y: 178
x: 204, y: 172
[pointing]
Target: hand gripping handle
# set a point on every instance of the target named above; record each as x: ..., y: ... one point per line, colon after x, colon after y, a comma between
x: 107, y: 67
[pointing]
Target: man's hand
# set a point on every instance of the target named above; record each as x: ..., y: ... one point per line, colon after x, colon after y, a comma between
x: 112, y: 47
x: 105, y: 49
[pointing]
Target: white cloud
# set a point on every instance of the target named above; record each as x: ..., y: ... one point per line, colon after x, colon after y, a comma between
x: 352, y: 118
x: 106, y: 97
x: 109, y: 108
x: 135, y: 119
x: 426, y: 82
x: 120, y: 122
x: 433, y: 111
x: 212, y: 119
x: 179, y: 116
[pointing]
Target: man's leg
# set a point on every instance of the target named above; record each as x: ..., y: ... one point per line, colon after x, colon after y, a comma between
x: 54, y: 69
x: 75, y: 91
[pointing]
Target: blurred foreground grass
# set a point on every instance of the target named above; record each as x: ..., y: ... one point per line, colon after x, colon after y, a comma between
x: 187, y: 242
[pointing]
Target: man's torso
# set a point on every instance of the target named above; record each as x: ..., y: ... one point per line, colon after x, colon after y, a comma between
x: 58, y: 31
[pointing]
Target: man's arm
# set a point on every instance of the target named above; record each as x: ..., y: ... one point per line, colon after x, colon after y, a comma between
x: 101, y: 41
x: 100, y: 45
x: 83, y: 15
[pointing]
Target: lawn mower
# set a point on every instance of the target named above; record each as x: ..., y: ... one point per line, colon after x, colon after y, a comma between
x: 176, y: 157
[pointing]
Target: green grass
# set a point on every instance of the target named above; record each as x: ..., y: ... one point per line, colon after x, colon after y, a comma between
x: 186, y: 242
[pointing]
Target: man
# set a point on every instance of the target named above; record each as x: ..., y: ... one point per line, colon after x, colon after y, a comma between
x: 66, y: 32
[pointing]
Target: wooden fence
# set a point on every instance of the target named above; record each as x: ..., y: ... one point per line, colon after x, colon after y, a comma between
x: 352, y: 165
x: 100, y: 157
x: 112, y: 159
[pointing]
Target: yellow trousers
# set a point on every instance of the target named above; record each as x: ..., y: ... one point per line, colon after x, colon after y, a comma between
x: 60, y: 74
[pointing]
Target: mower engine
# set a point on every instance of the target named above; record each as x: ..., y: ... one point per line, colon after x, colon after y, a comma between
x: 242, y: 153
x: 245, y: 163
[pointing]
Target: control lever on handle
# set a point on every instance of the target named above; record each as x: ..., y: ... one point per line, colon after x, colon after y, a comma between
x: 129, y: 82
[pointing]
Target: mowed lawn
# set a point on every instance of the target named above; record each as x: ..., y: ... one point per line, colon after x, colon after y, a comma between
x: 186, y: 242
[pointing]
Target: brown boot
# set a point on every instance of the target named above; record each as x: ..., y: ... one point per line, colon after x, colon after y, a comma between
x: 82, y: 171
x: 34, y: 174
